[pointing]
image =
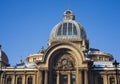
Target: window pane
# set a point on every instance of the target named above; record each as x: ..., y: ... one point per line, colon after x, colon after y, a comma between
x: 74, y: 30
x: 73, y: 79
x: 59, y: 30
x: 63, y: 79
x: 65, y: 29
x: 69, y: 28
x: 54, y: 79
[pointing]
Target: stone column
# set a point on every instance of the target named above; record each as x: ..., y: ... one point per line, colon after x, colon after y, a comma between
x: 105, y: 79
x: 24, y: 79
x: 40, y: 78
x: 46, y: 77
x: 86, y: 77
x: 80, y: 77
x: 3, y: 79
x: 77, y: 76
x: 14, y: 79
x: 58, y: 78
x: 69, y: 78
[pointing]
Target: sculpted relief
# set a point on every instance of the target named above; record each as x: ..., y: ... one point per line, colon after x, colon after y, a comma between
x: 65, y: 62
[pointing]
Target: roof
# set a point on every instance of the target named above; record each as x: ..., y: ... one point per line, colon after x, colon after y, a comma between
x: 68, y: 29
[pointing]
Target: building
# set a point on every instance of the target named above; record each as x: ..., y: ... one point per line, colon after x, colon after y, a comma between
x: 67, y: 60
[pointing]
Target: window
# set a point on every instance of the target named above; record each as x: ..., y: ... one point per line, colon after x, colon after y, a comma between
x: 63, y: 79
x: 9, y: 80
x: 73, y: 79
x: 54, y: 79
x: 112, y: 80
x: 67, y: 29
x: 100, y: 80
x: 34, y: 59
x: 74, y: 30
x: 106, y: 59
x: 30, y: 80
x: 19, y: 80
x: 100, y: 58
x: 60, y: 30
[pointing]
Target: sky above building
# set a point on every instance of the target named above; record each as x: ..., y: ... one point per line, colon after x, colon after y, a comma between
x: 25, y: 25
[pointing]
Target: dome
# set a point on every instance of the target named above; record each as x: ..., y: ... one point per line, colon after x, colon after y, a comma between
x: 3, y: 57
x: 68, y: 29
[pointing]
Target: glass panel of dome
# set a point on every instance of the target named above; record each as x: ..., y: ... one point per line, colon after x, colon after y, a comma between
x: 69, y: 28
x: 74, y: 30
x: 59, y: 30
x: 65, y: 29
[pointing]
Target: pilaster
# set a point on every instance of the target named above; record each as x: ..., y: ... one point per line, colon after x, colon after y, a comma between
x: 86, y: 76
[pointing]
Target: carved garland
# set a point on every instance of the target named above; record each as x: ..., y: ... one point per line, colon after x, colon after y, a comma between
x: 64, y: 63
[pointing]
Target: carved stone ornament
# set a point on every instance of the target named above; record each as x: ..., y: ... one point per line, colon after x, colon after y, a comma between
x: 64, y: 63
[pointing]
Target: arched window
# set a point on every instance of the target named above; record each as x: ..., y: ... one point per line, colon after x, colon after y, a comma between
x: 112, y: 80
x: 19, y: 80
x: 67, y: 29
x: 60, y: 30
x: 74, y: 30
x: 9, y: 80
x: 30, y: 80
x: 73, y: 79
x: 70, y: 29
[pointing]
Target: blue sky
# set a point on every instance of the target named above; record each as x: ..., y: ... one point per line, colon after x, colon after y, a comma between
x: 25, y: 25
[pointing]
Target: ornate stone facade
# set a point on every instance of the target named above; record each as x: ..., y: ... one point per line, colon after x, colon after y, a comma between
x: 67, y: 60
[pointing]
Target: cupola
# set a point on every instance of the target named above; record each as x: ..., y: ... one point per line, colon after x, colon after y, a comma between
x: 68, y: 30
x: 3, y: 58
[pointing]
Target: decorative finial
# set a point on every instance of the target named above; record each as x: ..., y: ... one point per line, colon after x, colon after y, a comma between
x: 42, y: 49
x: 68, y: 8
x: 0, y: 46
x: 21, y: 60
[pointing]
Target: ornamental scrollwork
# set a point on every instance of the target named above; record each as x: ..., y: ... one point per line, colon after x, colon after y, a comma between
x: 64, y: 63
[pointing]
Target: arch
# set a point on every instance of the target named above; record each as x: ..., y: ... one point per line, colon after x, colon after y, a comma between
x: 75, y: 52
x: 62, y: 60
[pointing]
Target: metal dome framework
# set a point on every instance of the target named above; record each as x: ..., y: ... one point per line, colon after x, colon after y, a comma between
x: 3, y: 57
x: 68, y: 29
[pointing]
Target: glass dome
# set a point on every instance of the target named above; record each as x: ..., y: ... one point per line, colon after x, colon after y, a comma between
x: 3, y: 57
x: 68, y: 29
